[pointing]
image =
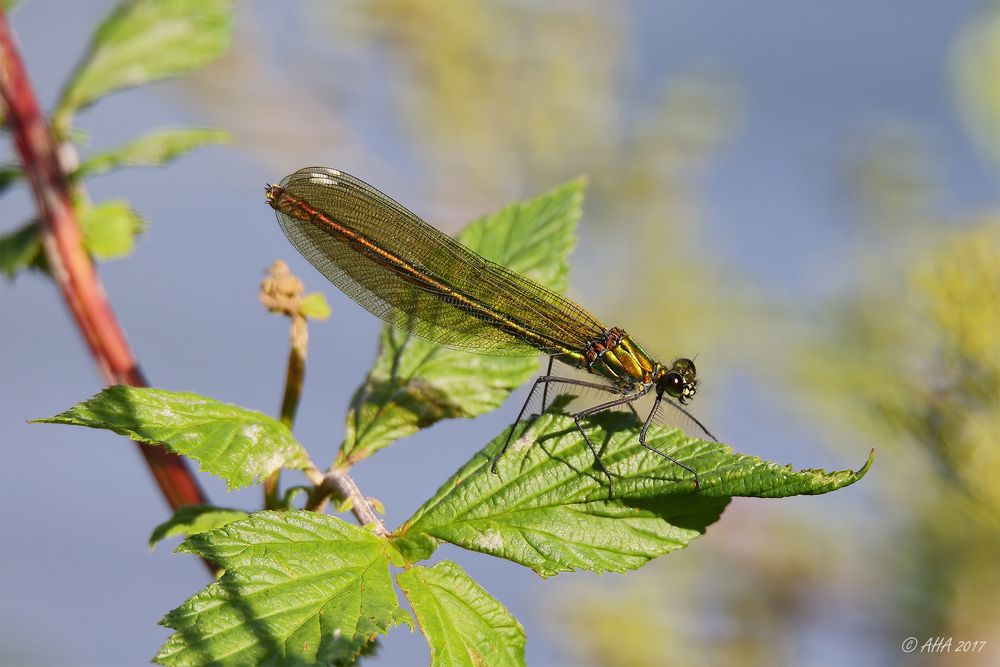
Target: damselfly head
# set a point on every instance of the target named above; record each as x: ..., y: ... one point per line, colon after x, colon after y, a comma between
x: 271, y: 193
x: 679, y: 381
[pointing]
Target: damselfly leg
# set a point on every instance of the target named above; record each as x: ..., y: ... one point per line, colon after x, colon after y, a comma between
x: 627, y: 400
x: 545, y: 390
x: 624, y: 400
x: 545, y: 380
x: 645, y: 427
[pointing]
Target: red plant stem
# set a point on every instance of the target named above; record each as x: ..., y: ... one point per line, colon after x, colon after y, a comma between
x: 71, y: 267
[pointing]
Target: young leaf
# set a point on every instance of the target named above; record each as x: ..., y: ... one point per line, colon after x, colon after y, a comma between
x: 314, y: 306
x: 549, y: 509
x: 9, y: 174
x: 416, y: 383
x: 194, y: 519
x: 300, y: 588
x: 237, y: 444
x: 146, y: 40
x: 109, y: 229
x: 154, y: 149
x: 464, y: 625
x: 20, y: 249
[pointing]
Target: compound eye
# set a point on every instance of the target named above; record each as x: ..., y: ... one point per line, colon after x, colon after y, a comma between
x: 674, y: 384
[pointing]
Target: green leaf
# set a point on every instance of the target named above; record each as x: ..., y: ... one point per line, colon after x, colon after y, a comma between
x: 194, y: 519
x: 9, y: 174
x: 237, y: 444
x: 314, y: 306
x: 154, y: 149
x: 143, y: 41
x: 548, y: 508
x: 300, y: 588
x: 415, y: 383
x: 22, y: 249
x: 464, y: 625
x: 109, y: 229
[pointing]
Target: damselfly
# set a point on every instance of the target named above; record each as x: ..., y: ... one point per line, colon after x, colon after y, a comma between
x: 421, y: 280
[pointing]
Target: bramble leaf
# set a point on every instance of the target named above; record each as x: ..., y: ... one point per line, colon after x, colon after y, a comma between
x: 146, y: 40
x: 237, y: 444
x: 156, y: 148
x: 194, y: 519
x: 415, y: 383
x: 300, y: 588
x: 22, y: 249
x: 109, y: 229
x: 549, y: 507
x: 464, y: 625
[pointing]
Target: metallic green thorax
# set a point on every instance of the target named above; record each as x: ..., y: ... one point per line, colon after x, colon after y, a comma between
x: 617, y: 357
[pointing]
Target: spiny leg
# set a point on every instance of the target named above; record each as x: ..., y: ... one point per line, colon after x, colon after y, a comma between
x: 496, y: 459
x: 626, y: 400
x: 545, y: 391
x: 642, y: 441
x: 546, y: 380
x: 597, y: 458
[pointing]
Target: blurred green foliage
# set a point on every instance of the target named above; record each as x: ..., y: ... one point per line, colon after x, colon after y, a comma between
x: 152, y: 150
x: 976, y: 64
x: 140, y: 41
x: 953, y: 412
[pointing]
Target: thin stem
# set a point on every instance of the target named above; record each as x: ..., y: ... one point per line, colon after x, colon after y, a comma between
x: 295, y: 375
x: 340, y: 485
x: 294, y: 379
x: 281, y: 292
x: 272, y: 492
x: 71, y: 267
